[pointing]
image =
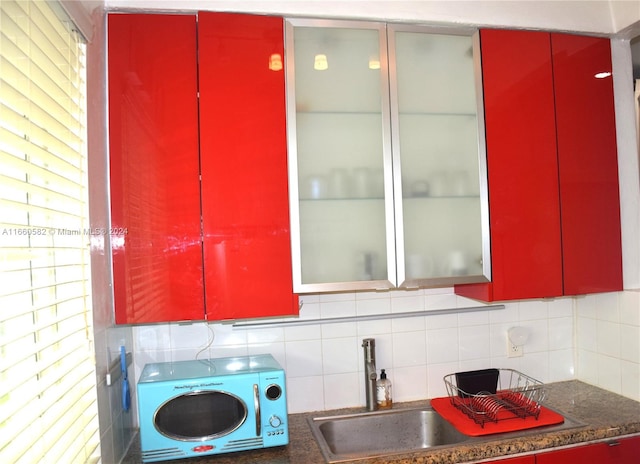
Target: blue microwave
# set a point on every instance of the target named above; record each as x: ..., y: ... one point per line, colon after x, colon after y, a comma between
x: 211, y: 406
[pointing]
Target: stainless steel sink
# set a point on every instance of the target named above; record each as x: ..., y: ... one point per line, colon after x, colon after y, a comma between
x: 382, y: 433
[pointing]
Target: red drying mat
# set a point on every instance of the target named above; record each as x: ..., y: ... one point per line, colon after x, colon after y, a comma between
x: 468, y: 426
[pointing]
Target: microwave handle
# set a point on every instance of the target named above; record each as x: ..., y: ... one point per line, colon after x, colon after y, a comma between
x: 256, y: 405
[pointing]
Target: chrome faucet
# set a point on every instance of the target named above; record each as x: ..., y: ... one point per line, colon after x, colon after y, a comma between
x: 370, y: 373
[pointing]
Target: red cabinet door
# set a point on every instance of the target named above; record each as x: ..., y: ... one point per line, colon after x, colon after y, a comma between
x: 522, y: 167
x: 245, y: 200
x: 153, y: 146
x: 554, y: 202
x: 624, y: 451
x: 588, y: 164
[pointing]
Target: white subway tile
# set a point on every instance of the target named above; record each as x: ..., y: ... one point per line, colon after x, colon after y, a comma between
x: 408, y: 324
x: 409, y: 349
x: 441, y: 321
x: 474, y: 342
x: 224, y: 334
x: 498, y: 339
x: 560, y: 333
x: 509, y: 314
x: 189, y: 335
x: 587, y: 334
x: 530, y: 310
x: 373, y: 306
x: 304, y: 358
x: 608, y: 338
x: 538, y: 336
x: 412, y: 301
x: 338, y: 308
x: 630, y: 308
x: 536, y: 365
x: 227, y: 351
x: 341, y: 390
x: 340, y: 355
x: 607, y: 307
x: 435, y: 378
x: 587, y: 366
x: 561, y: 307
x: 409, y: 383
x: 561, y: 365
x: 374, y: 327
x: 305, y: 394
x: 301, y: 332
x: 630, y: 375
x: 586, y: 306
x: 152, y: 337
x: 630, y: 343
x: 473, y: 318
x: 609, y: 373
x: 440, y: 301
x: 442, y: 346
x: 339, y: 330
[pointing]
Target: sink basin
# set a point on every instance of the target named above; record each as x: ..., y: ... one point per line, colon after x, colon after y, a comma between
x: 382, y: 433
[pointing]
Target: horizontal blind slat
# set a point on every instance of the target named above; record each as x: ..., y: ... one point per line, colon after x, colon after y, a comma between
x: 47, y: 371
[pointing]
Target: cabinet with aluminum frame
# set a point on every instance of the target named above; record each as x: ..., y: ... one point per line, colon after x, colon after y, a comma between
x: 386, y: 156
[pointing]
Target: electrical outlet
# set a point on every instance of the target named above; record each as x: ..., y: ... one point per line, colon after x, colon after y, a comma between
x: 514, y: 351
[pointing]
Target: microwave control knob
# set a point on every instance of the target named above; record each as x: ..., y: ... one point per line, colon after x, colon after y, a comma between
x: 275, y: 421
x: 274, y: 392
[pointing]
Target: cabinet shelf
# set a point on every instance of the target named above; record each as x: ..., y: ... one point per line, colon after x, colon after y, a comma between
x: 413, y: 198
x: 378, y: 113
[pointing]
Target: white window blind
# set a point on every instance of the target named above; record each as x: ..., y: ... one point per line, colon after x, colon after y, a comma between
x: 48, y: 408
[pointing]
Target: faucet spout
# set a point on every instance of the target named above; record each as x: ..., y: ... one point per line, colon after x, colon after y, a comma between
x: 370, y: 372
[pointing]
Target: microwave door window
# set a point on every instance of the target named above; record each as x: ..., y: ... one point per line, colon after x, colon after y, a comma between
x: 199, y: 416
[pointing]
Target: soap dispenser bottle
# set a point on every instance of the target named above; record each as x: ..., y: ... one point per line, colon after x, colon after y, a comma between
x: 383, y: 391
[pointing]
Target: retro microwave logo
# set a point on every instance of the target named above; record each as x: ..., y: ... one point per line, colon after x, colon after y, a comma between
x: 197, y: 386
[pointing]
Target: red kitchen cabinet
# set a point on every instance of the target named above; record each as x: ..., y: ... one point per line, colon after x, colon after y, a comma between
x: 588, y: 164
x: 199, y: 193
x: 243, y: 156
x: 155, y: 191
x: 617, y: 451
x: 552, y: 166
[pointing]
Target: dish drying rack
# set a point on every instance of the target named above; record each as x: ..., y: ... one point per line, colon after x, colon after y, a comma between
x: 516, y: 396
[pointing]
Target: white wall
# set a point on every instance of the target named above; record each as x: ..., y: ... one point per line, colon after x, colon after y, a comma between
x: 594, y: 16
x: 117, y: 428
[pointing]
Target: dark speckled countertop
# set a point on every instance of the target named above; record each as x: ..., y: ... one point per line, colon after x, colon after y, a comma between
x: 605, y: 415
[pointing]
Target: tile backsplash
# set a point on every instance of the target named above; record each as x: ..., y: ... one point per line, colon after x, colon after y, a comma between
x: 608, y: 341
x: 324, y: 360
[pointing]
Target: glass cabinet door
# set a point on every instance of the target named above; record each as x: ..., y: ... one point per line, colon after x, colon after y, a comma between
x: 438, y: 157
x: 339, y: 156
x: 386, y: 156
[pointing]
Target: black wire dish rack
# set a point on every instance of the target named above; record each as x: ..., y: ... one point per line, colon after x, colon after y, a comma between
x: 493, y: 395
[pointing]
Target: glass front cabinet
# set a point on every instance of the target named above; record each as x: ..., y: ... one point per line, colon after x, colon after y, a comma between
x: 387, y: 165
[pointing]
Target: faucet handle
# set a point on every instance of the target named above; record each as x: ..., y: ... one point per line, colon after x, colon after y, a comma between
x: 368, y: 342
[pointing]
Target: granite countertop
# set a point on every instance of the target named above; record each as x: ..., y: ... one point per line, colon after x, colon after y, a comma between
x: 605, y: 415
